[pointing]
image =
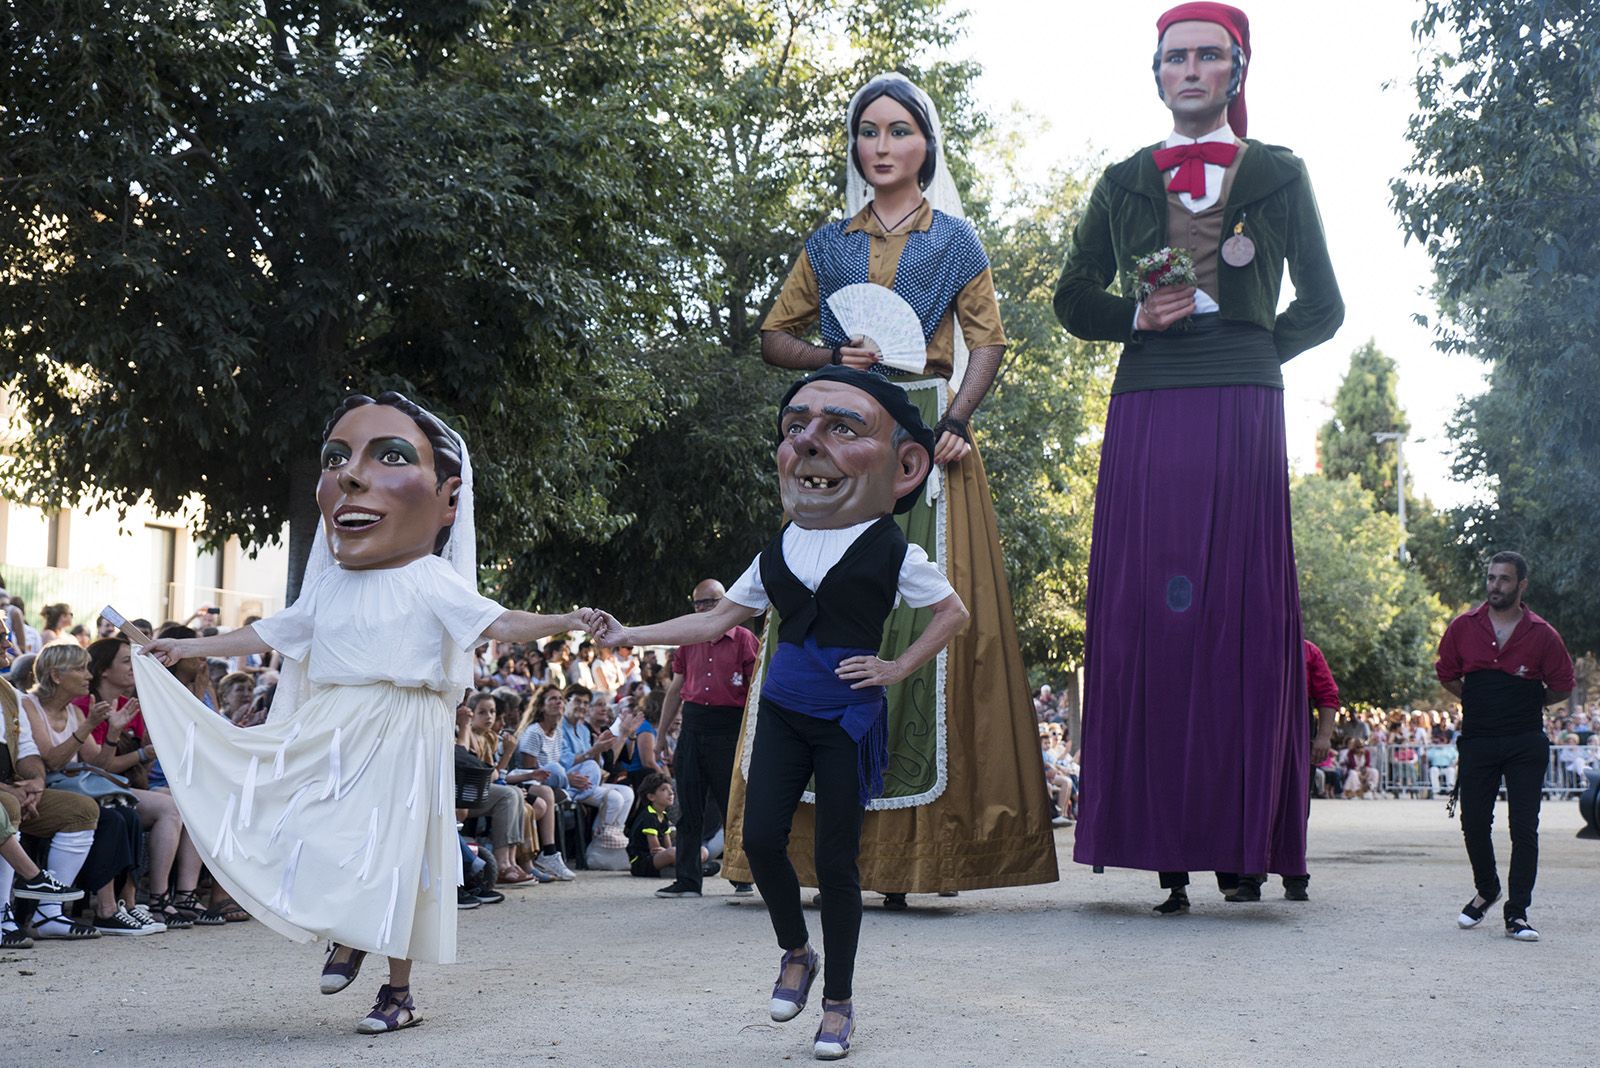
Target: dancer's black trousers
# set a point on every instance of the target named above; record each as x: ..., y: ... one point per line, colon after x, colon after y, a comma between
x: 789, y: 749
x: 704, y: 764
x: 1521, y: 759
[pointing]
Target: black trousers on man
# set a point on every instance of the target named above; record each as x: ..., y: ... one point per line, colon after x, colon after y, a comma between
x: 1521, y: 760
x: 707, y: 742
x: 789, y: 750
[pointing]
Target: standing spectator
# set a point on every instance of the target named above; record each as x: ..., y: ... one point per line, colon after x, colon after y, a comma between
x: 1507, y: 665
x: 57, y: 618
x: 556, y: 655
x: 607, y: 673
x: 1323, y: 692
x: 580, y: 672
x: 710, y: 681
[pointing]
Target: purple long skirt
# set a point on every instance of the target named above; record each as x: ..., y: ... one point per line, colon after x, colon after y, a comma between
x: 1196, y: 745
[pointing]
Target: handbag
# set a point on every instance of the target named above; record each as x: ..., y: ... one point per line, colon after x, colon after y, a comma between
x: 101, y: 786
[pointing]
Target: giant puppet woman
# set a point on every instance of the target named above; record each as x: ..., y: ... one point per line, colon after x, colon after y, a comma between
x: 962, y: 806
x: 336, y: 818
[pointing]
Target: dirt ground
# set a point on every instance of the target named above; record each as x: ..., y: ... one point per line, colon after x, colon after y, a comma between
x: 1373, y: 971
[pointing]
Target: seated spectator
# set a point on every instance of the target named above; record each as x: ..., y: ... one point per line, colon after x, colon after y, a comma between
x: 37, y: 883
x: 639, y: 759
x: 580, y: 756
x: 502, y: 804
x: 67, y: 820
x: 1326, y: 781
x: 122, y: 738
x: 1572, y: 762
x: 237, y: 691
x: 1361, y: 778
x: 57, y: 619
x: 1442, y: 761
x: 62, y: 674
x: 651, y: 851
x: 1058, y: 779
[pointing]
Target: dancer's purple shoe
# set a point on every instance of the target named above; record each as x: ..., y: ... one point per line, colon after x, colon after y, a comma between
x: 832, y: 1045
x: 787, y: 1002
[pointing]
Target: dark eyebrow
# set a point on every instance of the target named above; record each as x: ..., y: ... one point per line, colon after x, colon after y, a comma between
x: 795, y: 409
x: 845, y: 413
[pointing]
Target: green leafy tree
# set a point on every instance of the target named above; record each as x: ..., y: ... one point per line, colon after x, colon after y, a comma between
x: 1504, y: 193
x: 764, y: 91
x: 1374, y: 619
x: 1365, y: 405
x: 1039, y: 429
x: 219, y: 218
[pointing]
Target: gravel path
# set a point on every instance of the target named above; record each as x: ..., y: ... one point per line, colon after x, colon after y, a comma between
x: 1373, y: 971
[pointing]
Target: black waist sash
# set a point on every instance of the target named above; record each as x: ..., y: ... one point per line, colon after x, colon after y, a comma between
x: 1205, y: 350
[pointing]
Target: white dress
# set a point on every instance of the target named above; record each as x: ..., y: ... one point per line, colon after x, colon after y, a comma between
x: 337, y: 821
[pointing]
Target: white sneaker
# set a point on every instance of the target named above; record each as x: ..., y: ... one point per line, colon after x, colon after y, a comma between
x: 554, y: 866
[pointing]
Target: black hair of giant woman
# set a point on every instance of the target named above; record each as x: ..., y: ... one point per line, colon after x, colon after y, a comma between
x: 903, y: 94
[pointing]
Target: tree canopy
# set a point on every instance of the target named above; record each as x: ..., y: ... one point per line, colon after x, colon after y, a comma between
x: 221, y: 218
x: 1504, y: 193
x: 1373, y: 617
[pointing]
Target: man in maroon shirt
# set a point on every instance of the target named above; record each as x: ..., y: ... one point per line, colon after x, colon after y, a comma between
x: 1506, y: 664
x: 1324, y: 695
x: 710, y: 680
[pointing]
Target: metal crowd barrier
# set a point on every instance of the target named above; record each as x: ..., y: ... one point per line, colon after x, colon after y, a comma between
x: 1407, y: 771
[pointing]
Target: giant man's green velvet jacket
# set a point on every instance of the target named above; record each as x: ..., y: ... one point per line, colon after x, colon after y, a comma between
x: 1127, y: 218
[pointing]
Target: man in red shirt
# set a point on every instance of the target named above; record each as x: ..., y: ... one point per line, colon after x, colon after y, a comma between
x: 1324, y: 694
x: 710, y: 680
x: 1506, y: 664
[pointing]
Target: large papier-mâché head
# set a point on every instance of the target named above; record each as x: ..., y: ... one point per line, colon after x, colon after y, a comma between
x: 852, y: 448
x: 390, y: 475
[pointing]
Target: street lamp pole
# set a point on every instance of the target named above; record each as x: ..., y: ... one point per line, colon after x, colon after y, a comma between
x: 1399, y: 440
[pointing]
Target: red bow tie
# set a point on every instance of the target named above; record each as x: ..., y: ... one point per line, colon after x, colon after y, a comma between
x: 1191, y: 162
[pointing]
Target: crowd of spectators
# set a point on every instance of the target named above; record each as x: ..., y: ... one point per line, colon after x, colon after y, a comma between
x: 1375, y: 753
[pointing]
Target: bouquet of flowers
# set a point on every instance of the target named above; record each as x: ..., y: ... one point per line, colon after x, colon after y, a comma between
x: 1162, y: 268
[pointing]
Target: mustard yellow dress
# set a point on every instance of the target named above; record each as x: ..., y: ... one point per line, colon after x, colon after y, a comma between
x: 965, y: 806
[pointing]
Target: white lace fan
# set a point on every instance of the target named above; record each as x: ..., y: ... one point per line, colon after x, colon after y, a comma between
x: 886, y: 322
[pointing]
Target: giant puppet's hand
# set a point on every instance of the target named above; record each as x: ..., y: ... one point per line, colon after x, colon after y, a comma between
x: 603, y: 627
x: 866, y: 671
x: 1161, y: 309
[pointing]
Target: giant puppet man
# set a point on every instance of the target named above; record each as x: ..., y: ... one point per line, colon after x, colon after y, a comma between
x: 1194, y: 728
x: 853, y: 451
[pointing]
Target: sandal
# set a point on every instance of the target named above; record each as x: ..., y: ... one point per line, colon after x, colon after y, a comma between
x: 189, y: 901
x: 165, y: 908
x: 379, y: 1022
x: 832, y: 1045
x: 60, y: 927
x: 12, y: 937
x: 231, y: 911
x: 336, y: 975
x: 789, y: 1001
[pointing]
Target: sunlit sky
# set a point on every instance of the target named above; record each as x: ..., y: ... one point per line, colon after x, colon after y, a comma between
x: 1332, y: 82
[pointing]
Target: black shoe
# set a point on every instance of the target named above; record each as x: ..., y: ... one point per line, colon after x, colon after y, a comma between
x: 710, y: 868
x: 487, y: 896
x: 1176, y: 903
x: 1295, y: 892
x: 1472, y: 913
x: 465, y: 899
x: 678, y: 888
x: 1244, y: 892
x: 894, y: 903
x: 743, y: 889
x: 45, y: 887
x: 1519, y: 928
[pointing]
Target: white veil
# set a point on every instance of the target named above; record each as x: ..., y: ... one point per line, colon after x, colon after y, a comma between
x: 460, y: 552
x: 941, y: 190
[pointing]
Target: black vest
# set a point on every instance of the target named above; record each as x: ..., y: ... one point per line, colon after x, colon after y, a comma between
x: 854, y: 598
